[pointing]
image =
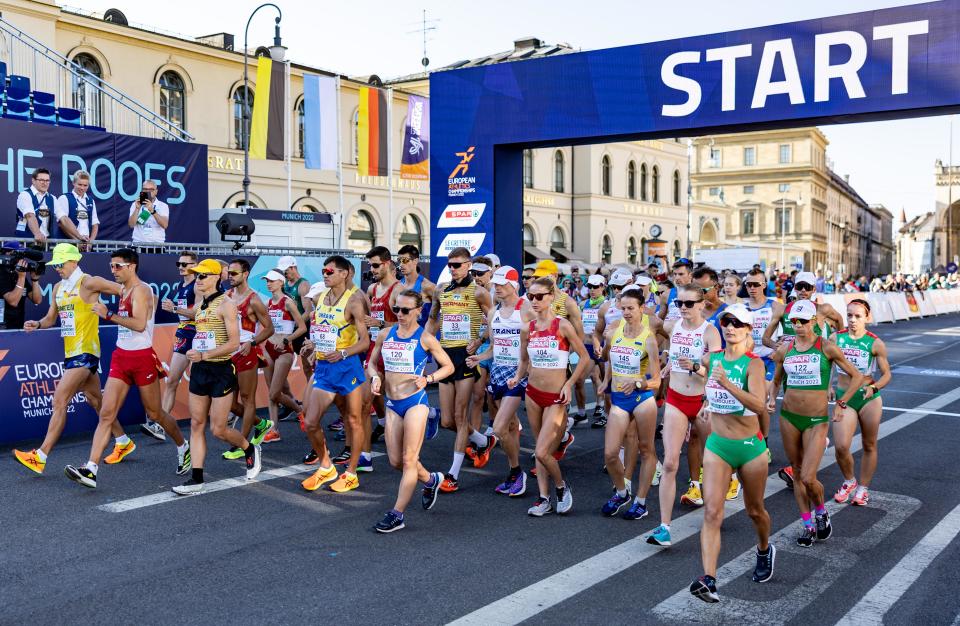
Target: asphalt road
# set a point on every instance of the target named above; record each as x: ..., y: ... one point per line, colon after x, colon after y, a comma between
x: 268, y: 552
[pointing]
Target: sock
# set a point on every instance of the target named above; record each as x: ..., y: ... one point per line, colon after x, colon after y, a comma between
x: 514, y: 472
x: 569, y: 425
x: 249, y: 451
x: 365, y: 456
x: 123, y: 440
x: 621, y: 455
x: 763, y: 552
x: 640, y: 501
x: 197, y: 474
x: 431, y: 482
x: 666, y: 527
x: 455, y: 466
x: 821, y: 509
x: 399, y: 514
x: 695, y: 483
x: 184, y: 447
x: 92, y: 467
x: 477, y: 439
x: 733, y: 476
x: 807, y: 519
x: 566, y: 437
x: 860, y: 490
x: 41, y: 455
x: 849, y: 483
x: 622, y: 493
x: 382, y: 421
x: 560, y: 491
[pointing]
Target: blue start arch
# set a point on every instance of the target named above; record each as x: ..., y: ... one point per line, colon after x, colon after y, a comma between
x: 883, y: 64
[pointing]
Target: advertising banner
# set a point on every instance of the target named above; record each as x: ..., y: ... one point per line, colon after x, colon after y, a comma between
x: 415, y: 162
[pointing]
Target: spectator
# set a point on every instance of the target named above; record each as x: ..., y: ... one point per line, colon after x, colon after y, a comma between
x: 16, y: 288
x: 35, y: 207
x: 149, y: 217
x: 820, y: 282
x: 77, y: 211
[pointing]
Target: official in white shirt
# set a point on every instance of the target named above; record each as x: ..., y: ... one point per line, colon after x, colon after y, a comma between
x: 149, y: 218
x: 35, y: 207
x: 77, y: 210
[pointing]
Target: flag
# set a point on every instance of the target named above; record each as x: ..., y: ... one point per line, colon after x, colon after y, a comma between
x: 372, y: 132
x: 320, y: 122
x: 267, y: 131
x: 415, y: 162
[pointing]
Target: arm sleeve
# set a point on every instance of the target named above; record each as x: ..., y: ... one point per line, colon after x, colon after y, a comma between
x: 24, y: 203
x: 61, y: 207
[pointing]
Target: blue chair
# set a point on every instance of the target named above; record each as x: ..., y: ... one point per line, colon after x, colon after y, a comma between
x: 68, y: 117
x: 17, y: 110
x: 19, y: 88
x: 44, y: 113
x: 42, y: 97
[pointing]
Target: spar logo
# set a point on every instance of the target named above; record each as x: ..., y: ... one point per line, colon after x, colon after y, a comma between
x: 458, y: 183
x: 461, y: 215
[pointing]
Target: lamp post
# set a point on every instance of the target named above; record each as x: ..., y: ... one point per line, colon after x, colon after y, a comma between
x: 689, y: 193
x: 277, y: 53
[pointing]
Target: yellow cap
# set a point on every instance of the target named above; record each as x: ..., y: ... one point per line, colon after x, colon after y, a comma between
x: 206, y: 266
x: 64, y: 252
x: 546, y: 267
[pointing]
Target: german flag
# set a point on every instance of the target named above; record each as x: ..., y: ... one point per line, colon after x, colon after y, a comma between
x: 267, y: 131
x: 372, y: 133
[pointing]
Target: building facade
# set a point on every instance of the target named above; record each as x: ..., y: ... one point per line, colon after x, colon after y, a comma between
x: 917, y: 248
x: 946, y: 228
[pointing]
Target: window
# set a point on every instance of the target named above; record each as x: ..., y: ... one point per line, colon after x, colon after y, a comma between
x: 714, y: 191
x: 783, y: 218
x: 676, y: 187
x: 783, y: 187
x: 250, y: 205
x: 606, y: 249
x: 676, y: 248
x: 528, y: 237
x: 300, y: 131
x: 655, y: 184
x: 558, y: 172
x: 242, y: 114
x: 86, y: 93
x: 643, y: 182
x: 748, y: 189
x: 748, y: 222
x: 786, y: 155
x: 632, y: 180
x: 173, y: 102
x: 528, y: 169
x: 411, y: 231
x: 605, y: 176
x: 557, y: 240
x: 750, y: 156
x: 714, y: 157
x: 362, y: 232
x: 632, y: 251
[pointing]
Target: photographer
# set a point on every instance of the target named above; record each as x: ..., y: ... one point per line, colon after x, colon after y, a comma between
x: 15, y: 286
x: 77, y: 211
x: 149, y: 217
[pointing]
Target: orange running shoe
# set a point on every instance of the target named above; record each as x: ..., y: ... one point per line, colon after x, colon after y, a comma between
x: 845, y: 491
x: 346, y: 482
x: 320, y: 478
x: 562, y: 450
x: 483, y: 455
x: 449, y: 484
x: 273, y: 435
x: 31, y: 460
x: 120, y: 452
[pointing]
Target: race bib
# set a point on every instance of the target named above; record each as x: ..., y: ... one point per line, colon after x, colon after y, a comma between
x: 398, y: 356
x: 374, y: 330
x: 123, y: 332
x: 673, y: 312
x: 721, y: 400
x: 68, y: 324
x: 860, y: 359
x: 589, y: 321
x: 324, y: 338
x: 456, y: 327
x: 204, y: 341
x: 677, y: 353
x: 803, y: 370
x: 280, y: 325
x: 625, y: 360
x: 545, y: 353
x: 506, y: 351
x: 761, y: 319
x: 181, y: 303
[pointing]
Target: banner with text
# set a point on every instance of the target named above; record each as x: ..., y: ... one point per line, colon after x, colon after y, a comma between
x: 415, y: 162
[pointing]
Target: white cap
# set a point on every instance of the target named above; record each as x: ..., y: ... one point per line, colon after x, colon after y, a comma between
x: 621, y: 277
x: 506, y: 275
x: 802, y: 309
x: 630, y: 287
x: 805, y: 277
x: 596, y: 280
x: 480, y: 267
x: 643, y: 280
x: 285, y: 262
x: 316, y: 289
x: 273, y: 275
x: 739, y: 311
x: 494, y: 259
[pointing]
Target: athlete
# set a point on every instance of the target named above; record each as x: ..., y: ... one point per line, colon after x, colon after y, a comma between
x: 296, y: 287
x: 682, y: 273
x: 608, y: 314
x: 72, y: 304
x: 545, y: 346
x: 133, y: 363
x: 590, y: 315
x: 408, y: 260
x: 761, y: 309
x: 735, y: 396
x: 633, y: 383
x: 731, y: 289
x: 288, y: 326
x: 381, y: 294
x: 867, y: 353
x: 403, y: 348
x: 338, y: 339
x: 480, y: 444
x: 213, y: 376
x: 804, y: 365
x: 709, y: 283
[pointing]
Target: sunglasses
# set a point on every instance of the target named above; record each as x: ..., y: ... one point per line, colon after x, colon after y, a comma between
x: 118, y: 266
x: 528, y: 278
x: 803, y: 286
x: 328, y: 272
x: 203, y: 276
x: 187, y: 264
x: 403, y: 259
x: 800, y: 322
x: 41, y: 180
x: 234, y: 273
x: 455, y: 265
x: 375, y: 266
x: 537, y: 296
x: 687, y: 304
x: 478, y: 272
x: 752, y: 284
x: 397, y: 310
x: 732, y: 321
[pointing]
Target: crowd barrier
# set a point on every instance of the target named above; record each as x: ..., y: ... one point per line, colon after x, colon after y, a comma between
x: 897, y: 306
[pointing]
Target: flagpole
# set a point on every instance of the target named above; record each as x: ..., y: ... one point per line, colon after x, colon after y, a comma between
x: 390, y: 229
x: 340, y: 173
x: 287, y: 140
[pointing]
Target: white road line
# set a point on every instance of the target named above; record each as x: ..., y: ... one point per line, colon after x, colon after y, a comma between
x: 945, y: 413
x: 873, y: 606
x: 565, y: 584
x: 907, y: 337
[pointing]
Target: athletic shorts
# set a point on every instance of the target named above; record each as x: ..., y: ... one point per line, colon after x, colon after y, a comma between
x: 298, y: 342
x: 484, y: 364
x: 85, y: 360
x: 497, y: 385
x: 274, y: 352
x: 858, y: 401
x: 688, y: 405
x: 542, y: 399
x: 594, y: 357
x: 629, y: 401
x: 458, y: 356
x: 803, y: 422
x: 250, y: 360
x: 401, y: 406
x: 770, y: 366
x: 736, y: 452
x: 136, y: 368
x: 214, y: 379
x: 341, y: 377
x: 183, y: 339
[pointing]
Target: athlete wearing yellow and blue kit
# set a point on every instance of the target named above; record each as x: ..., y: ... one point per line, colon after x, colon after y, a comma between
x: 331, y: 331
x: 629, y: 359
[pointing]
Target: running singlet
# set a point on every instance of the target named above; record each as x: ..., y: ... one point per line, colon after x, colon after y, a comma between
x: 293, y: 292
x: 280, y: 317
x: 858, y: 351
x: 559, y: 305
x: 506, y: 337
x: 211, y: 331
x: 183, y: 298
x: 673, y: 311
x: 79, y: 325
x: 628, y: 355
x: 761, y: 319
x: 330, y: 330
x: 403, y: 356
x: 588, y: 312
x: 721, y: 400
x: 809, y: 369
x: 128, y: 339
x: 612, y: 314
x: 380, y: 310
x: 248, y: 327
x: 546, y: 348
x: 686, y: 344
x: 460, y: 316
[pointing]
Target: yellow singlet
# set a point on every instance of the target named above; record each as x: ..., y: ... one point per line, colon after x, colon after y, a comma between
x: 628, y: 355
x: 79, y: 325
x: 330, y: 330
x: 211, y: 330
x: 460, y: 317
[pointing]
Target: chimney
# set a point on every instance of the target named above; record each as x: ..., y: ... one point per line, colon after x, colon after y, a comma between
x: 526, y: 43
x: 846, y: 178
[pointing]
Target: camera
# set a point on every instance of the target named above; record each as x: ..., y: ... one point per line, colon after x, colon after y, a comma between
x: 34, y: 258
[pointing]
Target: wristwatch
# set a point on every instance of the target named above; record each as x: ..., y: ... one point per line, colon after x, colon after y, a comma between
x: 286, y: 341
x: 429, y: 379
x: 695, y: 367
x: 343, y: 354
x: 841, y: 404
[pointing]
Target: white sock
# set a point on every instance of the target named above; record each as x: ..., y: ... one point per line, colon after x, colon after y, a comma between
x: 621, y: 455
x: 92, y: 467
x: 849, y: 483
x: 477, y: 439
x: 566, y: 437
x: 641, y: 501
x: 123, y: 440
x: 733, y: 476
x: 667, y: 526
x: 861, y: 489
x: 365, y: 456
x: 622, y: 493
x: 455, y: 466
x: 569, y: 424
x: 41, y: 455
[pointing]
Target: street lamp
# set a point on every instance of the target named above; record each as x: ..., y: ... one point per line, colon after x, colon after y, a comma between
x: 689, y: 193
x: 277, y: 53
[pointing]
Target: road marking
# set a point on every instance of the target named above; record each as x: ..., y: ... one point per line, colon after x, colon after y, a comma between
x: 132, y: 504
x: 945, y: 413
x: 836, y: 557
x: 926, y: 371
x: 873, y: 606
x: 565, y: 584
x: 908, y: 337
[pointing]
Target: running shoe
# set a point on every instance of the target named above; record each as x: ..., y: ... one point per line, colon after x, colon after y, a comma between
x: 377, y: 434
x: 614, y: 504
x: 449, y: 484
x: 845, y: 491
x: 184, y: 462
x: 504, y: 487
x: 233, y: 454
x: 488, y: 431
x: 519, y: 486
x: 344, y: 457
x: 482, y: 455
x: 705, y: 588
x: 657, y: 474
x: 254, y: 463
x: 692, y: 497
x: 153, y: 429
x: 734, y: 490
x: 597, y: 410
x: 288, y: 414
x: 861, y: 498
x: 311, y: 458
x: 599, y: 422
x: 390, y: 522
x: 562, y: 451
x: 764, y: 569
x: 636, y: 511
x: 81, y: 475
x: 824, y: 527
x: 660, y: 536
x: 232, y: 420
x: 30, y: 460
x: 120, y: 452
x: 319, y: 478
x: 364, y: 464
x: 270, y: 437
x: 340, y: 436
x: 433, y: 424
x: 566, y: 503
x: 540, y: 508
x: 578, y: 418
x: 189, y: 488
x: 260, y: 431
x: 346, y: 482
x: 786, y: 475
x: 429, y: 495
x: 808, y: 535
x: 336, y: 426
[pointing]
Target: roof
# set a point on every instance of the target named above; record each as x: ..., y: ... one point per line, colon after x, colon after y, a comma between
x: 916, y: 223
x: 841, y: 182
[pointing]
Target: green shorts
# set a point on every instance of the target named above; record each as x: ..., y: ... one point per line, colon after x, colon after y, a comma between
x: 803, y: 422
x: 736, y: 452
x: 857, y: 402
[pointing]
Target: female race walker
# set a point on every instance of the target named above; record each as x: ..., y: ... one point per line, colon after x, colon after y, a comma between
x: 735, y: 399
x: 866, y: 352
x: 544, y: 355
x: 404, y: 349
x: 804, y: 364
x: 288, y: 327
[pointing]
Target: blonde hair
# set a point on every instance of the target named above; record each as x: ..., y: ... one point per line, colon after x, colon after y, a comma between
x: 84, y: 174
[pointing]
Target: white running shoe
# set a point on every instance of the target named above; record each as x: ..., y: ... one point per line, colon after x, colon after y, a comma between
x: 254, y: 464
x: 154, y: 429
x: 540, y: 508
x: 657, y: 473
x: 564, y: 506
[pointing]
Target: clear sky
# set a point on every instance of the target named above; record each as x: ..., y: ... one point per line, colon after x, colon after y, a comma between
x: 890, y: 163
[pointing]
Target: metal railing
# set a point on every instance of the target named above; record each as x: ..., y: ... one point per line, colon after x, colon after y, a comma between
x: 100, y: 103
x: 218, y: 249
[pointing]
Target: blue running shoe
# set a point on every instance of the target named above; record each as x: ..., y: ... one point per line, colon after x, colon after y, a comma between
x: 505, y: 486
x: 364, y: 464
x: 659, y: 537
x: 615, y: 503
x: 433, y: 424
x: 636, y: 511
x: 519, y: 486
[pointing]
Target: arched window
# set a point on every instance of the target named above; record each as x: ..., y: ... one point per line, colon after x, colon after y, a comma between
x: 643, y: 182
x: 632, y: 251
x: 300, y: 130
x: 655, y: 184
x: 606, y: 249
x: 605, y: 175
x: 557, y: 240
x: 528, y: 169
x: 173, y: 99
x: 411, y: 231
x: 558, y: 172
x: 632, y: 180
x: 362, y: 234
x: 529, y: 239
x: 242, y: 103
x: 86, y: 93
x: 676, y: 248
x: 676, y: 187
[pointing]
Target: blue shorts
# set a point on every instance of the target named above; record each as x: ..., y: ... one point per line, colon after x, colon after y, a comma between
x: 484, y: 364
x: 589, y: 347
x: 183, y: 339
x: 401, y: 406
x: 86, y: 360
x: 341, y: 377
x: 502, y: 391
x: 629, y: 401
x: 770, y: 366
